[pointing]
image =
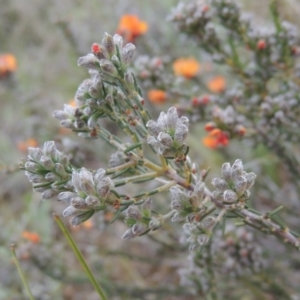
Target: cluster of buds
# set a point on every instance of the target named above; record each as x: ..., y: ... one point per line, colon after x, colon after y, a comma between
x: 189, y: 207
x: 140, y: 220
x: 234, y: 185
x: 280, y: 110
x: 240, y: 254
x: 107, y: 65
x: 91, y: 194
x: 48, y: 170
x: 195, y: 18
x: 227, y: 120
x: 151, y: 72
x: 168, y: 134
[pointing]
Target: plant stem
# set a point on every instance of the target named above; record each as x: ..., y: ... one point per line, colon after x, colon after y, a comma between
x: 79, y: 256
x: 22, y: 275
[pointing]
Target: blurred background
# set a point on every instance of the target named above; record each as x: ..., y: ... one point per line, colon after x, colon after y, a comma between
x: 40, y: 42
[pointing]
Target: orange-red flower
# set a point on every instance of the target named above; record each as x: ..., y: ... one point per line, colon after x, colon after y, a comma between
x: 31, y: 236
x: 186, y: 67
x: 31, y: 142
x: 72, y: 102
x: 217, y: 84
x: 8, y: 64
x: 157, y: 96
x: 130, y: 27
x: 216, y: 138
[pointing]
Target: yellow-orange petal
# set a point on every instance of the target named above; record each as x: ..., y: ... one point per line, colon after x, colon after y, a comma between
x: 31, y: 236
x: 157, y: 96
x: 130, y: 26
x: 8, y: 63
x: 88, y: 224
x: 24, y: 145
x: 210, y: 142
x: 217, y: 84
x: 72, y: 102
x: 186, y: 67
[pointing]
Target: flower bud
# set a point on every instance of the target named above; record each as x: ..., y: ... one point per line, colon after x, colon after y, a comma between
x: 108, y: 43
x: 250, y: 177
x: 108, y: 67
x: 226, y: 171
x: 129, y: 79
x: 31, y: 166
x: 127, y: 53
x: 202, y: 239
x: 51, y: 176
x: 80, y: 218
x: 118, y: 41
x: 133, y: 212
x: 92, y: 201
x: 66, y: 196
x: 128, y: 234
x: 49, y: 149
x: 154, y: 224
x: 240, y: 184
x: 138, y: 229
x: 89, y: 61
x: 220, y: 184
x: 48, y: 194
x: 59, y: 169
x: 176, y: 205
x: 60, y: 115
x: 237, y: 169
x: 230, y: 196
x: 35, y: 153
x: 70, y: 211
x: 78, y: 203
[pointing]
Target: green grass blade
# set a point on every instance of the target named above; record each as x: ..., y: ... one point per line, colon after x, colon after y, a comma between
x: 22, y: 275
x: 80, y: 257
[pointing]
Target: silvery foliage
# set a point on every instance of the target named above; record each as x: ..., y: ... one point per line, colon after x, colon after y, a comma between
x: 187, y: 205
x: 235, y: 183
x: 48, y: 170
x: 168, y: 134
x: 140, y: 221
x: 90, y: 193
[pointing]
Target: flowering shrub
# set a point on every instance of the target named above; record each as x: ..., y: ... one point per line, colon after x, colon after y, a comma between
x: 259, y: 107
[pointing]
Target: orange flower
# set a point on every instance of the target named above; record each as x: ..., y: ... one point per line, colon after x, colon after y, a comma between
x: 88, y: 224
x: 8, y: 64
x: 186, y: 67
x: 157, y: 96
x: 130, y: 27
x: 31, y: 142
x: 216, y: 138
x: 217, y: 84
x: 31, y: 236
x: 72, y: 102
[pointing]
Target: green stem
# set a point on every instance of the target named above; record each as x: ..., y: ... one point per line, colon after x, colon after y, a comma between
x: 121, y: 167
x: 212, y: 292
x: 23, y: 278
x: 80, y: 257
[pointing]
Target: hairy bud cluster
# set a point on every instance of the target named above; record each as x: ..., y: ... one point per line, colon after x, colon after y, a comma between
x: 140, y: 221
x: 151, y: 72
x: 90, y: 194
x: 48, y: 170
x: 188, y: 207
x: 241, y: 254
x: 107, y: 64
x: 195, y: 18
x: 235, y: 183
x: 168, y: 133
